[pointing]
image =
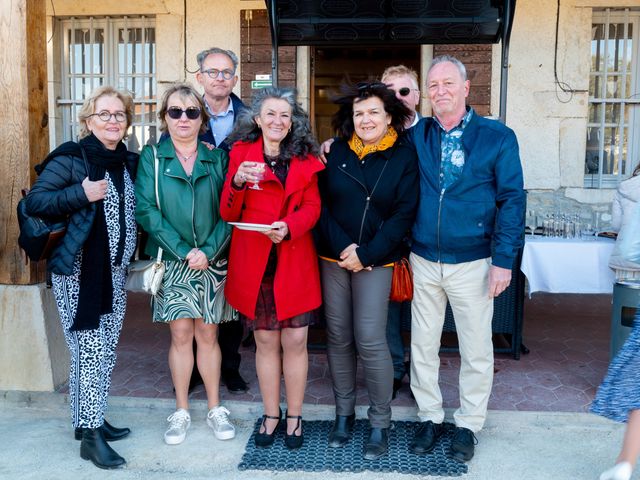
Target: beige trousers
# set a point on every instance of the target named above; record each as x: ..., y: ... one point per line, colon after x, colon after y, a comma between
x: 465, y: 285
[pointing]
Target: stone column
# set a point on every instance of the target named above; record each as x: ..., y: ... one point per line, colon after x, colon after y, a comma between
x: 32, y: 351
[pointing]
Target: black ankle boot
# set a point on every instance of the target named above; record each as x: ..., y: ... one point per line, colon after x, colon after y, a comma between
x: 377, y: 443
x: 341, y: 432
x: 111, y: 433
x: 94, y: 447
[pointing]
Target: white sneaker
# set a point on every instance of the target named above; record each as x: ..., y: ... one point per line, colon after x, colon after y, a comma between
x: 620, y: 471
x: 218, y: 420
x: 179, y: 423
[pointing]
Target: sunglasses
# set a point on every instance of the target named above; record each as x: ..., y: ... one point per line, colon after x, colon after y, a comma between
x: 191, y: 112
x: 404, y: 91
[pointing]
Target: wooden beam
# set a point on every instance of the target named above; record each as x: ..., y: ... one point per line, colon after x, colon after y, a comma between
x: 24, y: 136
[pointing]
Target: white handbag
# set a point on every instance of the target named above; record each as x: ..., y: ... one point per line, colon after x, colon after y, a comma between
x: 145, y: 276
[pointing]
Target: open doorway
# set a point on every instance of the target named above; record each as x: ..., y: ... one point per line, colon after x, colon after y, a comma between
x: 331, y: 65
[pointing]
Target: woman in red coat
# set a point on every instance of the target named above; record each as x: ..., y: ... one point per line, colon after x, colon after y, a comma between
x: 273, y: 278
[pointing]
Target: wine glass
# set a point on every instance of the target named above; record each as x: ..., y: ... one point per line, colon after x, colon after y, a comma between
x: 531, y: 221
x: 259, y: 173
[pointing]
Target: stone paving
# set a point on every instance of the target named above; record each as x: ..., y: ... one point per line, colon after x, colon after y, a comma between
x: 567, y: 335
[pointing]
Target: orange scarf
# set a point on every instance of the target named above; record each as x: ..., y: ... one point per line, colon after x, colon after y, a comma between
x: 360, y: 149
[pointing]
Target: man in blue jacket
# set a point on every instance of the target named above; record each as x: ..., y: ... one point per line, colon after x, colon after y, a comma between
x: 218, y: 77
x: 467, y: 232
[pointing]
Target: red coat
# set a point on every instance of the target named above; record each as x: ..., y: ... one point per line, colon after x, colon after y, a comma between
x: 297, y: 280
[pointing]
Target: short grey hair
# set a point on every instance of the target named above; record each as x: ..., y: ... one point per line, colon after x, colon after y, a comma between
x: 215, y: 51
x: 451, y: 59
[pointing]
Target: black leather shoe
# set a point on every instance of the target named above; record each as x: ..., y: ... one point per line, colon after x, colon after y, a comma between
x: 397, y: 385
x: 463, y: 444
x: 293, y: 441
x: 426, y: 437
x: 94, y: 447
x: 111, y: 433
x: 234, y: 382
x: 341, y: 431
x: 265, y: 439
x: 377, y: 443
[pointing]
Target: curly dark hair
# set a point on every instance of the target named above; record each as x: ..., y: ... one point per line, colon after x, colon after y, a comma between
x: 350, y: 93
x: 299, y: 142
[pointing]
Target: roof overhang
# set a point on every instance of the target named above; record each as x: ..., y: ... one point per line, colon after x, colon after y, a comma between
x: 371, y: 22
x: 388, y: 22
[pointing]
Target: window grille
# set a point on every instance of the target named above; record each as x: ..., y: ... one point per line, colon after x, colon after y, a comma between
x: 613, y: 125
x: 110, y: 51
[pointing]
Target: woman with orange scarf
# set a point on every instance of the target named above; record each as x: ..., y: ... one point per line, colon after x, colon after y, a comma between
x: 369, y: 195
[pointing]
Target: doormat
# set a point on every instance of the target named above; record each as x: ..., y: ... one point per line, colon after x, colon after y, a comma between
x: 315, y: 454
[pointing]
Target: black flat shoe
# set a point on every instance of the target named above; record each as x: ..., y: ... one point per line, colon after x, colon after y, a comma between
x: 94, y: 447
x: 234, y: 382
x: 111, y: 433
x: 377, y: 443
x: 294, y: 441
x: 341, y: 432
x: 265, y: 439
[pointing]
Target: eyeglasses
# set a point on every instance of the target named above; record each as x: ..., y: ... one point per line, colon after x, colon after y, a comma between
x: 191, y: 112
x: 106, y: 116
x: 404, y: 91
x: 215, y: 73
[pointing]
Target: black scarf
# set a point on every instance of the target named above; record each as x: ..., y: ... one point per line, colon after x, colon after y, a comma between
x: 96, y: 287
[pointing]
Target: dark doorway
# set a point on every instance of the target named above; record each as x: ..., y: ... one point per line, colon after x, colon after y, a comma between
x: 331, y: 65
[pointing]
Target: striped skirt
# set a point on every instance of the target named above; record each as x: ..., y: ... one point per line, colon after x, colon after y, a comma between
x: 188, y: 293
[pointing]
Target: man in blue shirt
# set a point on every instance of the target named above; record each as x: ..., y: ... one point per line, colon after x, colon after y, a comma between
x: 466, y: 236
x: 218, y: 77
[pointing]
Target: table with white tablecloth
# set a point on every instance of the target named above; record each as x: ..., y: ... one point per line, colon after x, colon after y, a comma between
x: 559, y: 265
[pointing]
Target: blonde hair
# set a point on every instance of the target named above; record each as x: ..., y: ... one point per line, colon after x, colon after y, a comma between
x: 398, y: 71
x: 89, y: 105
x: 184, y: 90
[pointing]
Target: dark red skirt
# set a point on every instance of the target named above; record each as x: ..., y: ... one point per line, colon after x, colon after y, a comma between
x: 266, y: 312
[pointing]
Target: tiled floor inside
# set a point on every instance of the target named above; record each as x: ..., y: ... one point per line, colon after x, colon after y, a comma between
x: 567, y: 336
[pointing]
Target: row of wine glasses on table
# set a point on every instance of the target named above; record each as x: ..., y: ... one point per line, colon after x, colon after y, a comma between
x: 559, y: 225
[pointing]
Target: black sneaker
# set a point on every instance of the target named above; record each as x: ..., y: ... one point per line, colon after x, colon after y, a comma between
x: 426, y: 437
x: 234, y: 382
x: 463, y: 444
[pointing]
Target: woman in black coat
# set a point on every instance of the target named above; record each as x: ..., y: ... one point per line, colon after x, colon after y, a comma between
x: 89, y: 266
x: 369, y: 194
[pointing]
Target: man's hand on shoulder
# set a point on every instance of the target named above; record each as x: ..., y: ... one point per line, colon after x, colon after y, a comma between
x: 325, y: 148
x: 499, y: 280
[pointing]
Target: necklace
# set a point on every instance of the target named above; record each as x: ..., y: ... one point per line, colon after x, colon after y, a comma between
x: 186, y: 158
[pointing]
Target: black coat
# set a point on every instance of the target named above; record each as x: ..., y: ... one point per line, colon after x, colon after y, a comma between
x: 353, y: 211
x: 58, y: 192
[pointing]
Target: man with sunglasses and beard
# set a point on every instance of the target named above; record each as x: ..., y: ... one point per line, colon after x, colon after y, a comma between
x: 403, y: 81
x: 217, y: 76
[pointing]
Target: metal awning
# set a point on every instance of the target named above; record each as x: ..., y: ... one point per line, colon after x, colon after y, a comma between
x: 385, y: 22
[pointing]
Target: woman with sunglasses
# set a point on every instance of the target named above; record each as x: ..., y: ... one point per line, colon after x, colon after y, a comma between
x: 369, y: 195
x: 184, y: 220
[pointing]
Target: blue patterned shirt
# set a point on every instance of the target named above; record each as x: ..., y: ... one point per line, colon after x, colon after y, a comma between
x: 451, y: 151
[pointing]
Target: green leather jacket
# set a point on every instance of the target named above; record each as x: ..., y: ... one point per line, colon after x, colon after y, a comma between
x: 189, y: 214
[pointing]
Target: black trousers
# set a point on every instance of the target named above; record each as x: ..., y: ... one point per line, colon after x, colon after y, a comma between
x: 229, y: 339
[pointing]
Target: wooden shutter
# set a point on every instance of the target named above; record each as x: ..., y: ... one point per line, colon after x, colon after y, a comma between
x: 255, y: 53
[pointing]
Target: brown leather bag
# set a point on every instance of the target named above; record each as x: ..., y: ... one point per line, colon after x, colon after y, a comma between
x: 401, y: 281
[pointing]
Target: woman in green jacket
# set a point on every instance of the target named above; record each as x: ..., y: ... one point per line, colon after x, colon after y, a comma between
x: 184, y: 221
